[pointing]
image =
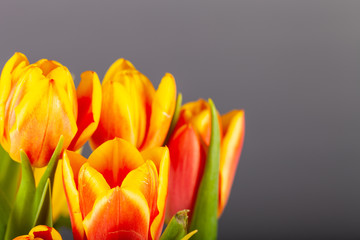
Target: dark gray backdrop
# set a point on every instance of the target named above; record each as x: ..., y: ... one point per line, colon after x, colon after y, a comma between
x: 292, y: 65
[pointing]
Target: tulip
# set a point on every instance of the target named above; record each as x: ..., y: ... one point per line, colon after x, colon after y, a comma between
x: 41, y: 232
x: 38, y: 104
x: 188, y: 146
x: 118, y: 192
x: 132, y: 109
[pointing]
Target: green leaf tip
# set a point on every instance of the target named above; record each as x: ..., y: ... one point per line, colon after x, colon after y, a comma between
x: 175, y: 118
x: 204, y: 218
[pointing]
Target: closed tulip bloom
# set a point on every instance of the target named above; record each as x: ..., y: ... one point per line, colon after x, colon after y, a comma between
x: 118, y: 193
x: 188, y: 146
x: 41, y: 232
x: 38, y: 104
x: 132, y: 109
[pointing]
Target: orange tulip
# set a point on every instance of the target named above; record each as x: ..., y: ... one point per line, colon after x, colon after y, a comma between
x: 41, y: 232
x: 118, y: 193
x: 188, y: 150
x: 38, y: 104
x: 132, y: 109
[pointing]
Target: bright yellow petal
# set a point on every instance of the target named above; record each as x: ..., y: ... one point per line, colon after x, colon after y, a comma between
x: 116, y: 118
x: 189, y: 235
x: 9, y: 76
x: 71, y: 165
x: 89, y: 97
x: 163, y: 169
x: 144, y: 179
x: 119, y: 65
x: 38, y: 117
x: 115, y: 159
x: 231, y: 146
x: 162, y: 111
x: 91, y: 186
x: 198, y: 114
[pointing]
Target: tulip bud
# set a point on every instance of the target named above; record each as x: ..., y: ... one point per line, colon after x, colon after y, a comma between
x: 41, y: 232
x: 188, y: 146
x: 132, y: 109
x: 38, y: 104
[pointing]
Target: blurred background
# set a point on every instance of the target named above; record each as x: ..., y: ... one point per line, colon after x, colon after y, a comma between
x: 294, y: 66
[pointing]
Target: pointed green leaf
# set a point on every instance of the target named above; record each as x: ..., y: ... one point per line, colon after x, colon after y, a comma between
x: 50, y: 169
x: 48, y: 175
x: 175, y: 118
x: 20, y: 221
x: 9, y: 175
x: 43, y: 215
x: 4, y: 213
x: 204, y: 218
x: 177, y: 227
x: 62, y: 221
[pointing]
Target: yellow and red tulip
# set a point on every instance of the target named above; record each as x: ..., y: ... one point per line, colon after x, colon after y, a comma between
x: 118, y: 193
x: 38, y: 104
x: 41, y: 232
x: 132, y: 109
x: 188, y: 146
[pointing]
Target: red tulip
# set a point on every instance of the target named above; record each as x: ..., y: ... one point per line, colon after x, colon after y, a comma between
x: 188, y: 146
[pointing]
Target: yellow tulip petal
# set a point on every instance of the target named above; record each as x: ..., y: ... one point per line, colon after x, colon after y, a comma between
x: 116, y: 119
x: 71, y: 166
x: 65, y: 87
x: 164, y: 164
x: 89, y: 97
x: 162, y: 111
x: 189, y: 235
x: 119, y: 65
x: 9, y: 76
x: 91, y: 186
x: 145, y: 180
x: 141, y: 92
x: 115, y: 159
x: 231, y: 145
x: 49, y: 118
x: 198, y: 114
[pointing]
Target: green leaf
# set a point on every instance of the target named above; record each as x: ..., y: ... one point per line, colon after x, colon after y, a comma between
x: 62, y: 221
x: 48, y: 175
x: 9, y: 176
x: 20, y: 221
x: 204, y: 218
x: 43, y: 215
x: 50, y: 169
x: 177, y: 227
x: 175, y: 118
x: 4, y: 213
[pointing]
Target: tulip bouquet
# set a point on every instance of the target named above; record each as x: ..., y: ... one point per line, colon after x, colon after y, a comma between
x: 153, y: 160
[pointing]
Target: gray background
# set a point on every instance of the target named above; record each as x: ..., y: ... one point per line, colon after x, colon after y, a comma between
x: 294, y: 66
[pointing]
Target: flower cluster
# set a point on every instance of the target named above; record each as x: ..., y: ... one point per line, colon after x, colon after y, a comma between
x: 153, y: 159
